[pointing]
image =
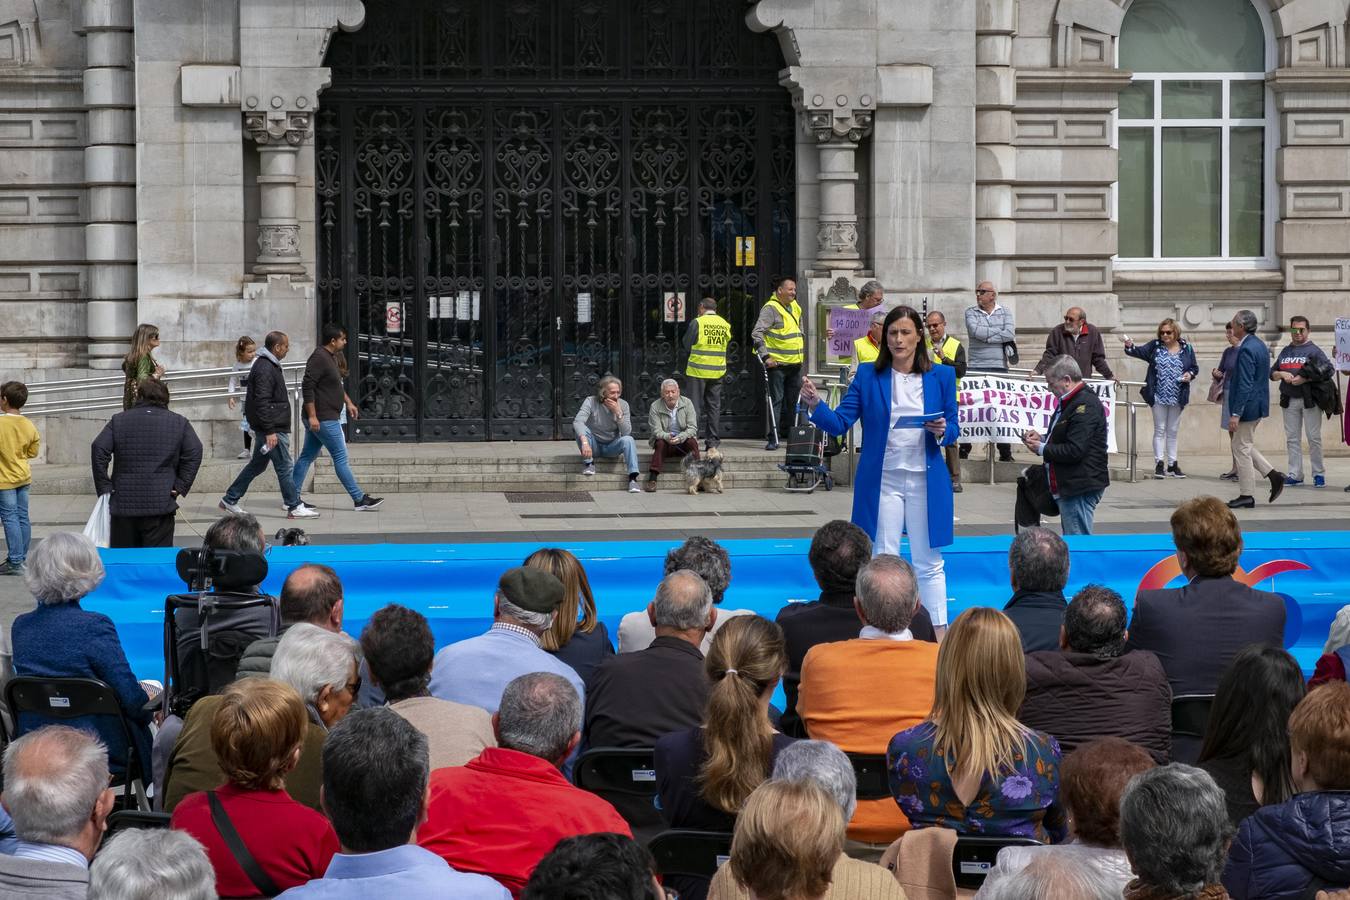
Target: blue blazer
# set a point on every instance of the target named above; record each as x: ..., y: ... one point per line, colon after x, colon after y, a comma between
x: 869, y: 398
x: 1249, y: 392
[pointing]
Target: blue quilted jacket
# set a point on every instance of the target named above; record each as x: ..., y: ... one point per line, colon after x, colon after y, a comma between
x: 1280, y: 850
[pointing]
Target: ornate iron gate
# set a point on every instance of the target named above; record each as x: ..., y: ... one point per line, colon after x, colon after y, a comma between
x: 516, y: 197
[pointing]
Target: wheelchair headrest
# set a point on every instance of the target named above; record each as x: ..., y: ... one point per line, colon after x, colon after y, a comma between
x: 227, y: 570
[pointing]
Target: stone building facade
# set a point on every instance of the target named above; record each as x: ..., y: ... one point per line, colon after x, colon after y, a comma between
x: 160, y: 165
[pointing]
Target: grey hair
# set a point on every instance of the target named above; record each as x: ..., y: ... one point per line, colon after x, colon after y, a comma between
x: 879, y: 316
x: 604, y: 382
x: 310, y: 658
x: 682, y: 601
x: 236, y: 531
x: 1039, y: 560
x: 937, y: 312
x: 53, y: 778
x: 152, y: 863
x: 1247, y: 320
x: 1063, y: 367
x: 536, y: 621
x: 826, y: 765
x: 705, y: 558
x: 870, y: 288
x: 63, y: 567
x: 888, y: 593
x: 669, y: 381
x: 538, y: 715
x: 1055, y: 876
x: 1174, y: 826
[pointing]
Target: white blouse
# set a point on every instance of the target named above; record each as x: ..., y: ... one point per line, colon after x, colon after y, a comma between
x: 904, y: 446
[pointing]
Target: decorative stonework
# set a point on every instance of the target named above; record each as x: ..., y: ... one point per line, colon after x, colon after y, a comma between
x: 278, y: 134
x: 840, y: 293
x: 277, y: 127
x: 280, y: 241
x: 828, y: 125
x: 837, y: 240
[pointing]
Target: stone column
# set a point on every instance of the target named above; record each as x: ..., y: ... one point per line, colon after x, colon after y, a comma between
x: 110, y: 173
x: 995, y: 156
x: 278, y: 136
x: 837, y: 235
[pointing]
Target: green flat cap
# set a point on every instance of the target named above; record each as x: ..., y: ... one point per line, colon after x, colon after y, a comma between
x: 532, y: 589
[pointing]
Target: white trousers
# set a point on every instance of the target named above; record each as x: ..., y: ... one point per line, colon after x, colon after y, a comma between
x: 903, y: 507
x: 1166, y: 423
x: 1298, y: 420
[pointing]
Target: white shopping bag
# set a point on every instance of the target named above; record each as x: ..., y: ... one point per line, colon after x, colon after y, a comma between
x: 99, y: 527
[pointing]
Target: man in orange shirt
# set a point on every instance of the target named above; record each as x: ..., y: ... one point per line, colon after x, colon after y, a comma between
x: 858, y: 694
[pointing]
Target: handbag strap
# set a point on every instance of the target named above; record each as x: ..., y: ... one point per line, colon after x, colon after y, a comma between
x: 237, y: 849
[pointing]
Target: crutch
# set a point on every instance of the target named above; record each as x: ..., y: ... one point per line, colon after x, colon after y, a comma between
x: 768, y: 401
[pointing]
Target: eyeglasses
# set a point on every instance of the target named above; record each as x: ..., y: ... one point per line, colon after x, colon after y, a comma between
x: 983, y: 291
x: 1297, y: 330
x: 1166, y: 331
x: 1070, y: 318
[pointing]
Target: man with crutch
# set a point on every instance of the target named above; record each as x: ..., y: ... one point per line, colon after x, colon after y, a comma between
x: 780, y: 343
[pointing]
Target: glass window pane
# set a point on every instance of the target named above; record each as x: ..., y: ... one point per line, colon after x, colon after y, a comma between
x: 1136, y: 101
x: 1192, y: 99
x: 1246, y: 193
x: 1192, y: 36
x: 1135, y: 192
x: 1247, y: 100
x: 1190, y: 191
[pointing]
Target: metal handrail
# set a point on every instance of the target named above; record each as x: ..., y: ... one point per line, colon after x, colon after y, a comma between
x: 47, y: 403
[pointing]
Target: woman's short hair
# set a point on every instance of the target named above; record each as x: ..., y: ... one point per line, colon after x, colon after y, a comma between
x: 1174, y: 825
x: 577, y: 597
x: 1176, y: 329
x: 826, y: 766
x: 150, y: 863
x: 1205, y: 529
x: 787, y: 840
x: 1091, y: 780
x: 1320, y: 728
x: 255, y: 730
x: 63, y: 567
x: 310, y: 658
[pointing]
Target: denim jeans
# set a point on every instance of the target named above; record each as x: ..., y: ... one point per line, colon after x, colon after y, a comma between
x: 329, y: 437
x: 14, y: 515
x: 1075, y: 513
x: 280, y: 459
x: 623, y: 445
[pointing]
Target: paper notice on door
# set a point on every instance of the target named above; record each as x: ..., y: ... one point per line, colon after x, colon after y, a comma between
x: 462, y: 307
x: 583, y: 309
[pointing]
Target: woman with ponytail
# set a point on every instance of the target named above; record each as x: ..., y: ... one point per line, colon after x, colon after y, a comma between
x: 704, y: 775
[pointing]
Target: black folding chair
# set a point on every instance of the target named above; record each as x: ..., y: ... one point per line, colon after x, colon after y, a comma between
x: 71, y: 698
x: 975, y: 855
x: 688, y: 853
x: 626, y: 778
x: 870, y: 771
x: 122, y: 819
x: 1190, y: 714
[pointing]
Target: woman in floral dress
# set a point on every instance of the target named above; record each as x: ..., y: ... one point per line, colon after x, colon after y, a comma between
x: 972, y: 766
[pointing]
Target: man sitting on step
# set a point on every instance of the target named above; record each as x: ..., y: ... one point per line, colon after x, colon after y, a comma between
x: 674, y: 427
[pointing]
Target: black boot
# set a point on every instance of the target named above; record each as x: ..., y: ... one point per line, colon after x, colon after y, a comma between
x: 1276, y: 484
x: 1246, y: 501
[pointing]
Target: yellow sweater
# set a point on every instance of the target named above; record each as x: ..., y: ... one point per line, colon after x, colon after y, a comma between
x: 853, y: 880
x: 18, y: 444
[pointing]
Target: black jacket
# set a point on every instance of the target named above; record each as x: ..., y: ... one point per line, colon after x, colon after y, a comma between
x: 267, y: 405
x: 1037, y: 615
x: 1075, y: 448
x: 154, y: 452
x: 1078, y: 697
x: 634, y: 699
x: 1319, y: 388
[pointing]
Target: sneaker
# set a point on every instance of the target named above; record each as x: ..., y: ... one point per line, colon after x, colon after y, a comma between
x: 634, y: 487
x: 244, y: 454
x: 231, y: 507
x: 1160, y: 471
x: 1319, y: 481
x: 369, y: 503
x: 301, y: 511
x: 771, y: 445
x: 956, y: 487
x: 12, y: 568
x: 1175, y: 471
x: 1291, y: 481
x: 588, y: 469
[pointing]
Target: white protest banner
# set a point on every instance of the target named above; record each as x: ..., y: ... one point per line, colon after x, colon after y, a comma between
x: 998, y: 408
x: 848, y: 326
x: 1342, y: 345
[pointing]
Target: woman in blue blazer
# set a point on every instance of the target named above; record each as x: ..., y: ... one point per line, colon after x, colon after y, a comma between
x: 907, y: 405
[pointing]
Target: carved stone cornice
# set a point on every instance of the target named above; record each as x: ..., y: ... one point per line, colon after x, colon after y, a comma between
x: 290, y: 127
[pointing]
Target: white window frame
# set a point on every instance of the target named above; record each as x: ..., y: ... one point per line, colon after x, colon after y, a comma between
x: 1271, y: 144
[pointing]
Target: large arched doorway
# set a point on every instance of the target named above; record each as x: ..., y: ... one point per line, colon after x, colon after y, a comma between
x: 514, y: 197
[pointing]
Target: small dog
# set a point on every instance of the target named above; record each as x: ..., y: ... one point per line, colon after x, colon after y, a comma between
x: 292, y: 537
x: 704, y: 474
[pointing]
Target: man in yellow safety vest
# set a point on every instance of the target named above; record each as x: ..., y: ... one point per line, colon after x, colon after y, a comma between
x: 947, y: 350
x: 867, y: 348
x: 707, y: 340
x: 780, y: 342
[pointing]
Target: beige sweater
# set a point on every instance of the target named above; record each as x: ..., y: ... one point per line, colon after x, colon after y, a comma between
x: 853, y: 880
x: 456, y: 733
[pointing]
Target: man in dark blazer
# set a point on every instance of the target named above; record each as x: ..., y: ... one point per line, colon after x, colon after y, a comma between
x: 1248, y: 404
x: 155, y: 456
x: 1038, y: 567
x: 1074, y: 447
x: 1196, y: 630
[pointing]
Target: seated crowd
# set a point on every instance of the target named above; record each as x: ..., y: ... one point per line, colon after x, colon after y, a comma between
x: 338, y: 767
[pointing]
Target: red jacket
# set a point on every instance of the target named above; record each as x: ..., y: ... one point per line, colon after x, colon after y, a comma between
x: 503, y: 812
x: 292, y: 843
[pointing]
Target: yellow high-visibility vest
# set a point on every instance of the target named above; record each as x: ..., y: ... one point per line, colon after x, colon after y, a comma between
x: 786, y: 343
x: 864, y: 351
x: 947, y: 355
x: 708, y: 356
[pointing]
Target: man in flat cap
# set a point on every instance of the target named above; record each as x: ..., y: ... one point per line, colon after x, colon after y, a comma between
x: 476, y: 670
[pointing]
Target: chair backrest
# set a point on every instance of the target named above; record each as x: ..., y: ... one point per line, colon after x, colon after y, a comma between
x: 1190, y: 714
x: 975, y: 855
x: 626, y: 778
x: 870, y: 771
x: 231, y: 621
x: 693, y: 854
x: 121, y: 819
